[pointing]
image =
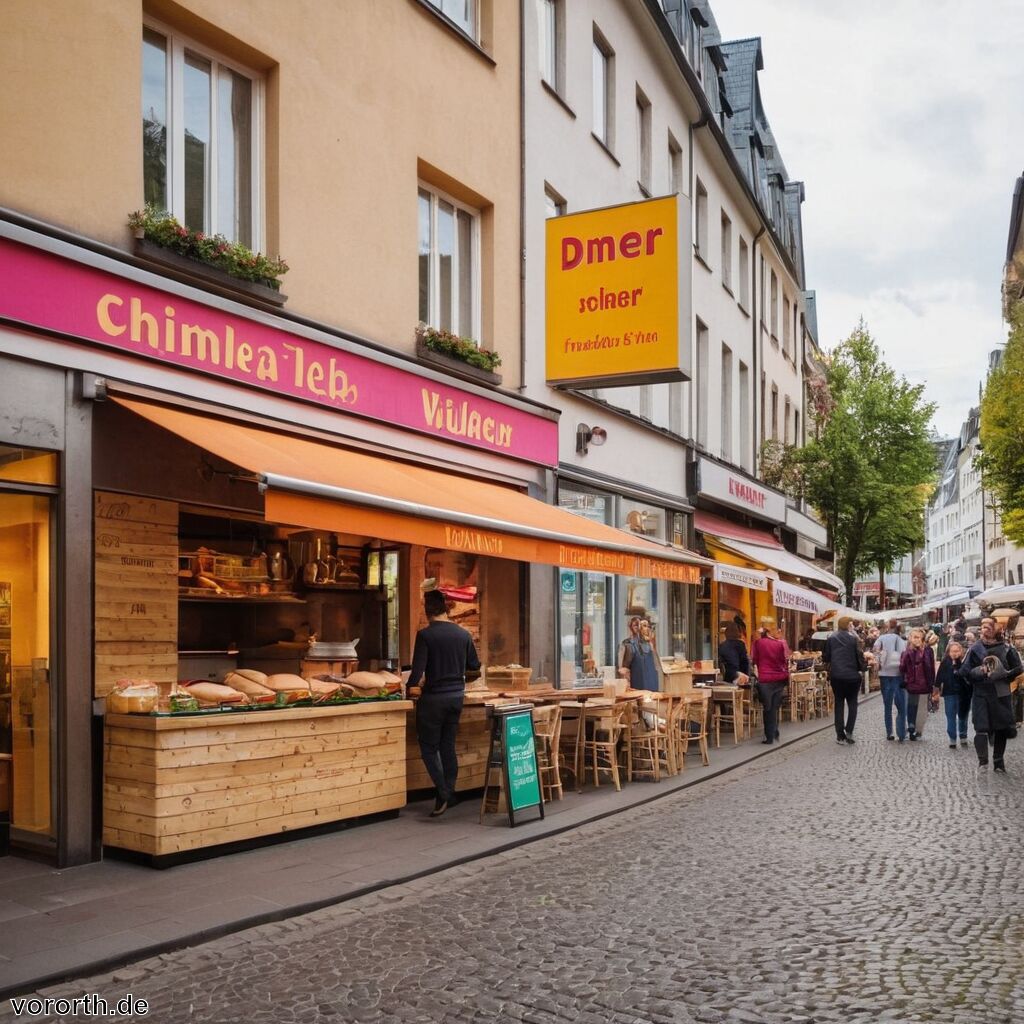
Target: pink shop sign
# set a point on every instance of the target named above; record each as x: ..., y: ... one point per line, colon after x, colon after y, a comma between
x: 55, y: 294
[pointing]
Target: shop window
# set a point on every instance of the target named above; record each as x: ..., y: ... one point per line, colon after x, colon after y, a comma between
x: 26, y: 706
x: 589, y: 504
x: 201, y: 125
x: 643, y: 520
x: 382, y: 573
x: 28, y: 466
x: 449, y: 271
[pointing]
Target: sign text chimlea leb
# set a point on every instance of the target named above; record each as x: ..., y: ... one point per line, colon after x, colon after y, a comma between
x: 618, y: 295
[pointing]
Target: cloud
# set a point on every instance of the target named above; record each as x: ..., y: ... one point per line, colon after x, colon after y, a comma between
x: 899, y: 116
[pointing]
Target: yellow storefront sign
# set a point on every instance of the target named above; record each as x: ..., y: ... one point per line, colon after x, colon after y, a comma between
x: 618, y: 296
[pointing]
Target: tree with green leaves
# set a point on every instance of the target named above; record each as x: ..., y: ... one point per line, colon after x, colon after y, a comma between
x: 871, y: 467
x: 1002, y: 430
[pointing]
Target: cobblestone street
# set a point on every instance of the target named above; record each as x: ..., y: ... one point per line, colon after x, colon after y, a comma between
x: 823, y: 883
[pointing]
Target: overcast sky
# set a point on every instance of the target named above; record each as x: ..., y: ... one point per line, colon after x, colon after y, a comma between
x: 901, y: 117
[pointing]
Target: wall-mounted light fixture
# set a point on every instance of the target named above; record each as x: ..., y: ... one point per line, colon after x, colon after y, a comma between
x: 586, y: 436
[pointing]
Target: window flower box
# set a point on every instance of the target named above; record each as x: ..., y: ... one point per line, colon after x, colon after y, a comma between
x: 448, y: 352
x: 208, y: 262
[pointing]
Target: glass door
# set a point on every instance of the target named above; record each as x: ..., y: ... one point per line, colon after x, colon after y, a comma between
x: 26, y: 706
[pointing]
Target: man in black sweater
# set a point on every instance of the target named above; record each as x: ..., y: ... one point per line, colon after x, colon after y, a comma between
x: 845, y: 662
x: 443, y: 653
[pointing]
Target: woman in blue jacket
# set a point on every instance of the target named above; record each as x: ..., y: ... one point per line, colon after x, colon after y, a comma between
x: 956, y: 694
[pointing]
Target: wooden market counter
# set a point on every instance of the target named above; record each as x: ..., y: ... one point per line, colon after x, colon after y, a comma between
x: 179, y: 784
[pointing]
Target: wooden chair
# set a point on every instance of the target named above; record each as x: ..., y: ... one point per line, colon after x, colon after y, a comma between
x: 753, y: 712
x: 693, y: 727
x: 648, y: 741
x: 729, y: 715
x: 603, y: 729
x: 570, y: 740
x: 547, y: 727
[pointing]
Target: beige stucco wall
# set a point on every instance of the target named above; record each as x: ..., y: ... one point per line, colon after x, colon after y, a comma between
x: 361, y: 99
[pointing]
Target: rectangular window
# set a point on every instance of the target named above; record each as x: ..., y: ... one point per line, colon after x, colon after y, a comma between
x: 797, y: 440
x: 643, y: 140
x: 449, y: 276
x: 745, y: 401
x: 200, y: 137
x: 787, y: 417
x: 775, y: 413
x: 675, y: 166
x: 764, y: 295
x: 647, y: 401
x: 461, y: 12
x: 602, y: 89
x: 786, y: 333
x: 744, y: 274
x: 774, y: 322
x: 700, y: 235
x: 726, y: 403
x: 764, y: 412
x: 726, y: 251
x: 554, y: 204
x: 701, y: 390
x: 549, y: 40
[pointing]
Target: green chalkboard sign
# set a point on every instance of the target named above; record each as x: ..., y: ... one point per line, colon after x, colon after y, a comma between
x: 513, y: 756
x: 521, y: 761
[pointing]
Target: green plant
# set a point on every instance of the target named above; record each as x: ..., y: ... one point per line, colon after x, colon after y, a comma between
x: 464, y: 349
x: 233, y: 258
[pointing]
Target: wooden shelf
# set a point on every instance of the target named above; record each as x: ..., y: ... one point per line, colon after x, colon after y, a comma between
x: 241, y: 599
x: 232, y: 652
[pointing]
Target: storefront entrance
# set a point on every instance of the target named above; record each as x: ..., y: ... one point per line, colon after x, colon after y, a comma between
x: 27, y: 707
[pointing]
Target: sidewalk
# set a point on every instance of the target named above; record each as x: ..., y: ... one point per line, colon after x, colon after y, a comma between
x: 80, y: 921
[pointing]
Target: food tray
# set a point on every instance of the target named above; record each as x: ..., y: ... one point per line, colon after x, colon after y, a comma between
x: 231, y: 709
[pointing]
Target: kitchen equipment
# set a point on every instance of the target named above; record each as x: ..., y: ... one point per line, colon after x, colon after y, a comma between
x: 322, y: 650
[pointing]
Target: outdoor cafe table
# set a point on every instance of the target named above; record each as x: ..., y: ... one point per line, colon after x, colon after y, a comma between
x: 592, y: 696
x: 732, y: 696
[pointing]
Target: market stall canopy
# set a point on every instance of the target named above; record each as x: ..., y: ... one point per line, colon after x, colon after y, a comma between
x: 800, y: 599
x: 314, y: 484
x: 1001, y: 595
x: 763, y: 549
x: 944, y: 600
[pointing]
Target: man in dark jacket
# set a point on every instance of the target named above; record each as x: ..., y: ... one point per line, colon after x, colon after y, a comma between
x: 444, y: 652
x: 845, y: 661
x: 991, y: 707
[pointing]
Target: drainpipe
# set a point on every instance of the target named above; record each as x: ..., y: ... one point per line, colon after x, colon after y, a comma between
x: 756, y: 344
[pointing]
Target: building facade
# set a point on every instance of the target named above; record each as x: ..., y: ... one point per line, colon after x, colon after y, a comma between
x: 165, y: 427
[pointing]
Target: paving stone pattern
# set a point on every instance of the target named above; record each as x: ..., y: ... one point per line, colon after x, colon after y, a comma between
x: 877, y: 882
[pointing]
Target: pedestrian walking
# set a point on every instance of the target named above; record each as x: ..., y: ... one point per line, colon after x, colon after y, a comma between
x: 888, y: 649
x: 442, y: 655
x: 844, y: 659
x: 990, y: 666
x: 770, y: 656
x: 733, y: 657
x: 957, y: 702
x: 917, y: 666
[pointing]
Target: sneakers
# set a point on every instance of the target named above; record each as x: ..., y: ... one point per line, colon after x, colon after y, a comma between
x: 890, y: 737
x: 952, y: 746
x: 911, y: 735
x: 964, y: 743
x: 849, y: 739
x: 841, y: 739
x: 998, y: 766
x: 982, y: 765
x: 440, y: 806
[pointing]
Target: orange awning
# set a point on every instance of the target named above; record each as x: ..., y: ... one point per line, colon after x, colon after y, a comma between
x: 317, y: 485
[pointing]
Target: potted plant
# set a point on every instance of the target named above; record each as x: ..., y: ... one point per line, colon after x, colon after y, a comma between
x: 461, y: 357
x: 206, y: 259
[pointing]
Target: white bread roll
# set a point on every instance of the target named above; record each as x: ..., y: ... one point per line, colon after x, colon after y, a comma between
x: 244, y: 683
x: 284, y: 681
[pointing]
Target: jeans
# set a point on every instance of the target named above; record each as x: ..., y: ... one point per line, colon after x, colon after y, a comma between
x: 846, y: 692
x: 917, y: 712
x: 956, y: 715
x: 437, y: 722
x: 893, y: 693
x: 771, y: 695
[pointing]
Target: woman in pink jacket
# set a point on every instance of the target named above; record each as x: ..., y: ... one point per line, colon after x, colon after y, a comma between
x: 770, y: 656
x: 917, y: 667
